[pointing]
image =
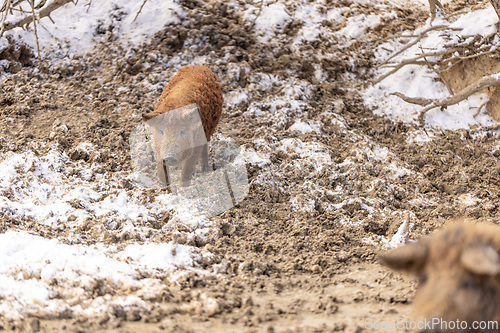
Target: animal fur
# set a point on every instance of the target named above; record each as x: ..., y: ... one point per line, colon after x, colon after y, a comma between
x: 459, y: 274
x: 191, y: 85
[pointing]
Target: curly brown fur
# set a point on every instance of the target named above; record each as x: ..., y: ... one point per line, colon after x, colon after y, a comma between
x: 459, y: 274
x: 191, y: 85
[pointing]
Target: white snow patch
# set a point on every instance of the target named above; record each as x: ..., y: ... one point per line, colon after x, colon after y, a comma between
x: 29, y: 265
x: 77, y: 25
x: 304, y: 126
x: 271, y: 19
x: 480, y: 22
x: 4, y: 43
x: 358, y: 26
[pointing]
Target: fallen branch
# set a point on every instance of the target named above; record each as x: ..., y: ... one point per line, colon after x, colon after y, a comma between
x: 411, y: 62
x: 140, y: 10
x: 43, y: 13
x: 483, y: 83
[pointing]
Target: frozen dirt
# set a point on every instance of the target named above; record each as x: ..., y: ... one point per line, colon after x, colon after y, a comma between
x: 337, y: 171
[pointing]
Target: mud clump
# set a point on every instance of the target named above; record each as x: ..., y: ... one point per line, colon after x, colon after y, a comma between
x: 14, y: 56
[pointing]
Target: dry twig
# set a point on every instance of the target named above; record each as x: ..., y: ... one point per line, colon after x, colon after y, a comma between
x: 140, y: 9
x: 5, y: 9
x: 435, y: 5
x: 410, y: 44
x: 480, y: 108
x: 411, y: 62
x: 32, y: 3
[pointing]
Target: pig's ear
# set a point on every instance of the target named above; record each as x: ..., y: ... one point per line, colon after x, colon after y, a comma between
x: 481, y: 259
x: 409, y: 258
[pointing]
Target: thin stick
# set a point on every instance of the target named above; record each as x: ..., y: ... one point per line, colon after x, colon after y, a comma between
x: 88, y: 5
x: 413, y: 100
x: 460, y: 59
x: 434, y: 5
x: 5, y: 9
x: 140, y: 9
x: 480, y: 108
x: 411, y: 61
x: 32, y: 3
x: 419, y: 37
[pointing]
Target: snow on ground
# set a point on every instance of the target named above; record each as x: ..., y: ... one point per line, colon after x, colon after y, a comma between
x: 45, y: 277
x: 77, y: 26
x: 420, y: 81
x: 57, y: 192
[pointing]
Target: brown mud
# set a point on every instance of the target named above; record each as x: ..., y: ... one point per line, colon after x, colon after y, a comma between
x: 281, y: 267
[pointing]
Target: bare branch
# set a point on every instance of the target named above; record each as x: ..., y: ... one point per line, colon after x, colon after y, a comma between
x: 413, y: 100
x: 483, y: 83
x: 460, y: 59
x: 434, y: 5
x: 43, y: 13
x: 140, y: 9
x: 410, y: 62
x: 419, y: 37
x: 5, y: 9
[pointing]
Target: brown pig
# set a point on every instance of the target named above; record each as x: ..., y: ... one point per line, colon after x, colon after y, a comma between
x: 173, y: 141
x: 459, y: 277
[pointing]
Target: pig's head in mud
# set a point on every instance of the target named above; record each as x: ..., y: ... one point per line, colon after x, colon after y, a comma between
x: 176, y: 136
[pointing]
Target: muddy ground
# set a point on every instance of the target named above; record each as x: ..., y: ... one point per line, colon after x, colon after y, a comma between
x: 299, y: 253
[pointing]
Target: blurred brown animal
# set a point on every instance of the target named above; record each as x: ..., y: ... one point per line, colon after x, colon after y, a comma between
x: 191, y: 85
x: 459, y: 276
